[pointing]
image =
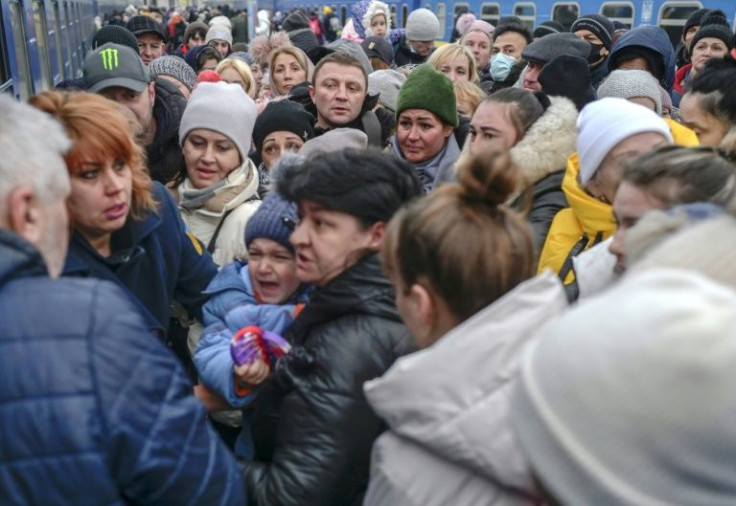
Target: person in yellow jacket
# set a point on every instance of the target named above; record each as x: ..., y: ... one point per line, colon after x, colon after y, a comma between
x: 610, y: 132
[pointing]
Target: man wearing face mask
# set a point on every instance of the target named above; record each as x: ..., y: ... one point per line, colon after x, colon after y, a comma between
x: 509, y: 42
x: 596, y: 30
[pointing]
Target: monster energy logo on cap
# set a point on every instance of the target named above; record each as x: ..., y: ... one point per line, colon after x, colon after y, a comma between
x: 115, y: 65
x: 109, y: 58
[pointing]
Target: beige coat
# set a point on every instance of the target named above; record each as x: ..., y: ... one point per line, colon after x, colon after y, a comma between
x: 239, y: 195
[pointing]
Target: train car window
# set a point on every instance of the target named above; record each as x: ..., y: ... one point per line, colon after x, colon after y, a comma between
x: 39, y: 22
x: 442, y: 16
x: 623, y: 12
x: 393, y: 16
x: 25, y: 90
x: 565, y: 13
x: 343, y: 15
x: 527, y: 12
x: 57, y: 39
x: 490, y: 13
x: 5, y: 77
x: 76, y: 12
x: 672, y: 17
x: 68, y: 42
x: 404, y: 15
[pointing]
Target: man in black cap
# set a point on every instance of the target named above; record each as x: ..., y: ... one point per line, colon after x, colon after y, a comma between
x: 117, y: 72
x: 151, y: 37
x: 541, y: 51
x: 596, y: 30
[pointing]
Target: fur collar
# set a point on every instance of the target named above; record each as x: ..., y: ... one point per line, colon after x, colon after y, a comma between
x: 549, y: 142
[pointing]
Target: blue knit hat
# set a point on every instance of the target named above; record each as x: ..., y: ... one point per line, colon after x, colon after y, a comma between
x: 274, y: 219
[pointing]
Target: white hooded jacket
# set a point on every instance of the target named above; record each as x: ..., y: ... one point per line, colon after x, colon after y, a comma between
x: 447, y: 408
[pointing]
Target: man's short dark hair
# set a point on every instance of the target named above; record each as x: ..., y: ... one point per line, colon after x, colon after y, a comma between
x: 340, y: 59
x: 514, y: 27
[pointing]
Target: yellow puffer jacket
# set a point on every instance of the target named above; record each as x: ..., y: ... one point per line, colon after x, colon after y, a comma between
x: 587, y: 221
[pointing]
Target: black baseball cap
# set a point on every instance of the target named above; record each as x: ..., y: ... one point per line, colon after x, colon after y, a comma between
x: 115, y: 65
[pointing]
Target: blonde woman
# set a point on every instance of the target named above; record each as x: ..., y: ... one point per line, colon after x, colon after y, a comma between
x: 288, y: 66
x: 455, y: 61
x: 235, y: 71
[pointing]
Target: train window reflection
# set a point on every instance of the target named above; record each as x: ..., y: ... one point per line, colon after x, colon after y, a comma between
x: 404, y: 15
x: 527, y: 12
x: 57, y: 39
x: 490, y: 13
x: 21, y: 52
x: 393, y: 16
x: 39, y: 22
x: 622, y: 12
x: 5, y: 77
x: 565, y: 13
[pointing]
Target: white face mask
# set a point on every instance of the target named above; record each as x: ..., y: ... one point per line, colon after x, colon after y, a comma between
x: 501, y: 66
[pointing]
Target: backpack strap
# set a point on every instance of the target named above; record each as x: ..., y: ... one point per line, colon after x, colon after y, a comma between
x: 211, y: 244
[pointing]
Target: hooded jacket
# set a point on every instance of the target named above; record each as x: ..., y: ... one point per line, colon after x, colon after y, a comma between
x: 681, y: 84
x: 403, y: 55
x: 154, y: 258
x: 164, y: 154
x: 232, y: 204
x: 96, y: 411
x: 450, y: 439
x: 542, y: 156
x: 653, y: 38
x: 312, y: 424
x: 586, y: 223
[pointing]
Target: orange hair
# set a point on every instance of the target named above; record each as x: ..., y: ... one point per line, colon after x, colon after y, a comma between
x: 99, y: 131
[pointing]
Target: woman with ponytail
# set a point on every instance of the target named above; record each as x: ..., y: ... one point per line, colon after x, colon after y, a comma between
x: 462, y: 265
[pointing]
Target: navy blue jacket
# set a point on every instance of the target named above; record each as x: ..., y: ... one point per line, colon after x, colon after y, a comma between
x: 155, y: 259
x: 93, y: 410
x: 653, y: 38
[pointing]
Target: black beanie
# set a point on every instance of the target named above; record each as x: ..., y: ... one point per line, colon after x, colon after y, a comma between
x: 715, y: 31
x: 282, y: 115
x: 694, y: 20
x: 597, y: 24
x: 115, y: 34
x: 295, y: 21
x: 568, y: 76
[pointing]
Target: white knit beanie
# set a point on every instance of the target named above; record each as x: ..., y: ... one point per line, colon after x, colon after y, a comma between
x: 223, y: 108
x: 632, y: 84
x: 606, y: 122
x: 219, y: 32
x: 628, y: 399
x: 375, y: 8
x: 422, y: 25
x: 221, y: 20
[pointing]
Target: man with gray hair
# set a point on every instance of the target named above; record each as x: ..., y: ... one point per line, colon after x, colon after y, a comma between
x: 97, y: 411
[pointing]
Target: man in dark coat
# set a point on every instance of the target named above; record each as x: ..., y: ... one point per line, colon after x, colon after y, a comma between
x: 94, y: 410
x: 118, y: 73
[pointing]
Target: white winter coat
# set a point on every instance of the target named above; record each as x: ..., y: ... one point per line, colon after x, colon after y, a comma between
x: 447, y: 407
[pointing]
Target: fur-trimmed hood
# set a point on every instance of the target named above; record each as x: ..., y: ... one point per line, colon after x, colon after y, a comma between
x: 549, y: 142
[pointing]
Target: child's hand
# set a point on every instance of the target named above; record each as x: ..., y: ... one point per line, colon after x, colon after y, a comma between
x: 252, y: 374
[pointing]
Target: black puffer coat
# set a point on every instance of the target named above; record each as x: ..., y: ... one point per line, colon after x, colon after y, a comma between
x: 312, y: 424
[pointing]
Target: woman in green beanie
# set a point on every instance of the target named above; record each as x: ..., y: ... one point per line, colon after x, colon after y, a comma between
x: 426, y: 115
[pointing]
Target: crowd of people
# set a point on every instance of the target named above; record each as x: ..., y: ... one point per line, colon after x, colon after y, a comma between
x: 348, y: 265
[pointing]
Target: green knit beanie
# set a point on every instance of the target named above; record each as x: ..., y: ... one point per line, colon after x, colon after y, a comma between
x: 428, y: 89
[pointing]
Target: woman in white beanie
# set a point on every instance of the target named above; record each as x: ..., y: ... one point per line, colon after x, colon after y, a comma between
x: 221, y: 38
x: 610, y: 131
x: 217, y: 187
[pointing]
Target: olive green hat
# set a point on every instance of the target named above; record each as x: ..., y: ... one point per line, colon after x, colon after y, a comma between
x: 428, y: 89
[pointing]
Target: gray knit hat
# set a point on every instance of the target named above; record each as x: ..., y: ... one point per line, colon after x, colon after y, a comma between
x: 387, y: 84
x: 422, y: 25
x: 336, y: 139
x: 175, y: 67
x: 223, y: 108
x: 632, y: 84
x: 628, y: 399
x: 556, y: 44
x: 219, y: 32
x: 354, y: 50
